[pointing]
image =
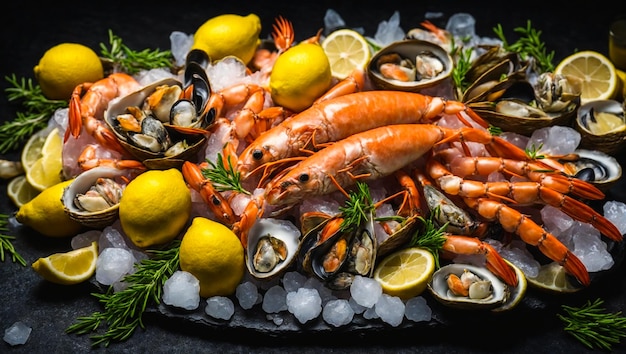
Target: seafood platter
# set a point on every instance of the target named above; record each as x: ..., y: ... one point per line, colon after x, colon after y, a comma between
x: 424, y: 148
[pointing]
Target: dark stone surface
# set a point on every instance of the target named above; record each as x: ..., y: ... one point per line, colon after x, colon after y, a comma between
x: 29, y: 30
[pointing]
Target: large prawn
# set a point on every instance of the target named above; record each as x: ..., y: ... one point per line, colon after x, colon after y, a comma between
x: 338, y: 118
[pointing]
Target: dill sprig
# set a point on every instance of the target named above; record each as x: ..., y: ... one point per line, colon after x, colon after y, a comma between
x: 593, y: 326
x: 5, y: 242
x: 528, y: 46
x: 38, y: 110
x: 430, y: 237
x: 130, y: 61
x: 357, y: 208
x: 222, y: 178
x: 123, y: 310
x: 462, y: 65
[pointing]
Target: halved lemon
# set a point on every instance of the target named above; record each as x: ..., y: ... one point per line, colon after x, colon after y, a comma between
x: 597, y: 73
x: 405, y: 273
x: 32, y: 149
x: 346, y: 50
x: 553, y: 278
x: 20, y: 191
x: 68, y: 268
x: 47, y: 169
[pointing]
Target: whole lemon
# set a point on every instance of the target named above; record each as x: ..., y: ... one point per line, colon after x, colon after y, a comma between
x: 300, y: 76
x: 229, y: 34
x: 46, y: 215
x: 155, y: 207
x: 65, y: 66
x: 213, y: 254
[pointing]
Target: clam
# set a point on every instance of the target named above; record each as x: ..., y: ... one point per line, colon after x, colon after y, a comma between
x: 92, y: 199
x: 596, y: 167
x: 273, y: 245
x: 426, y: 64
x: 602, y: 126
x: 156, y: 135
x: 486, y: 291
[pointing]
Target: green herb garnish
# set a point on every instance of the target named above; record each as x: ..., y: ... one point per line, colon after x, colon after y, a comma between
x: 593, y: 326
x: 38, y: 111
x: 5, y: 242
x: 357, y: 208
x: 222, y: 178
x: 533, y: 152
x: 130, y: 61
x: 123, y: 310
x: 529, y: 45
x: 430, y: 237
x: 461, y: 67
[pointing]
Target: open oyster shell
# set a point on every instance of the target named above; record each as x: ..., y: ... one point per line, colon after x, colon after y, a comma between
x: 602, y: 126
x: 438, y: 287
x: 273, y: 245
x: 596, y: 167
x: 193, y: 139
x: 432, y: 60
x: 80, y: 185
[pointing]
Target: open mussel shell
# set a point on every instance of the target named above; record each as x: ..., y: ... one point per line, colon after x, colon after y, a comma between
x: 515, y: 110
x: 595, y: 167
x: 494, y: 81
x: 399, y: 238
x: 193, y: 139
x: 438, y: 287
x: 410, y: 49
x: 80, y: 185
x: 602, y: 126
x: 273, y: 246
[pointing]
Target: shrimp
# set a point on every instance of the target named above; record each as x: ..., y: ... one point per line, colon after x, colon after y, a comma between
x: 213, y: 199
x: 87, y: 110
x: 338, y: 118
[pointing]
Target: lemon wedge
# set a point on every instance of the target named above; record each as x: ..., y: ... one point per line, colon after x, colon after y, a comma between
x: 32, y: 149
x: 597, y: 73
x: 553, y: 278
x: 346, y: 50
x: 405, y: 273
x: 68, y: 268
x: 20, y: 191
x: 47, y: 168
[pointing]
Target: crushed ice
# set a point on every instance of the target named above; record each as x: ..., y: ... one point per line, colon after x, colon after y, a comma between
x: 17, y: 334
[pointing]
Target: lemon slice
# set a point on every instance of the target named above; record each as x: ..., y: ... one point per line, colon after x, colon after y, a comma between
x: 46, y: 170
x: 32, y: 149
x: 597, y: 73
x: 606, y: 123
x: 553, y: 278
x: 346, y: 50
x: 68, y: 268
x: 405, y: 273
x: 20, y: 191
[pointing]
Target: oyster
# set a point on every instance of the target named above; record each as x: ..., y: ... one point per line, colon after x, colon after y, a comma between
x: 92, y: 199
x: 602, y: 126
x: 425, y: 64
x: 273, y: 245
x: 596, y: 167
x: 491, y: 292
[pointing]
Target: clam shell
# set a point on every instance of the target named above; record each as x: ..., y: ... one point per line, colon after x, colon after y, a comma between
x: 80, y: 185
x: 195, y: 138
x: 280, y: 229
x: 611, y: 142
x: 438, y: 287
x: 410, y: 49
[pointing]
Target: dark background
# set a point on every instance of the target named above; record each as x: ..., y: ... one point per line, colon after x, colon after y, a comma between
x: 29, y: 29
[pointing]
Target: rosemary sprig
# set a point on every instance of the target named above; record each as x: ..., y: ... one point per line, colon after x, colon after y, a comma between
x: 5, y: 242
x: 533, y: 152
x: 123, y: 310
x: 222, y: 178
x: 529, y: 45
x: 131, y: 61
x: 462, y: 66
x: 39, y: 109
x: 357, y: 208
x: 430, y: 237
x: 593, y: 326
